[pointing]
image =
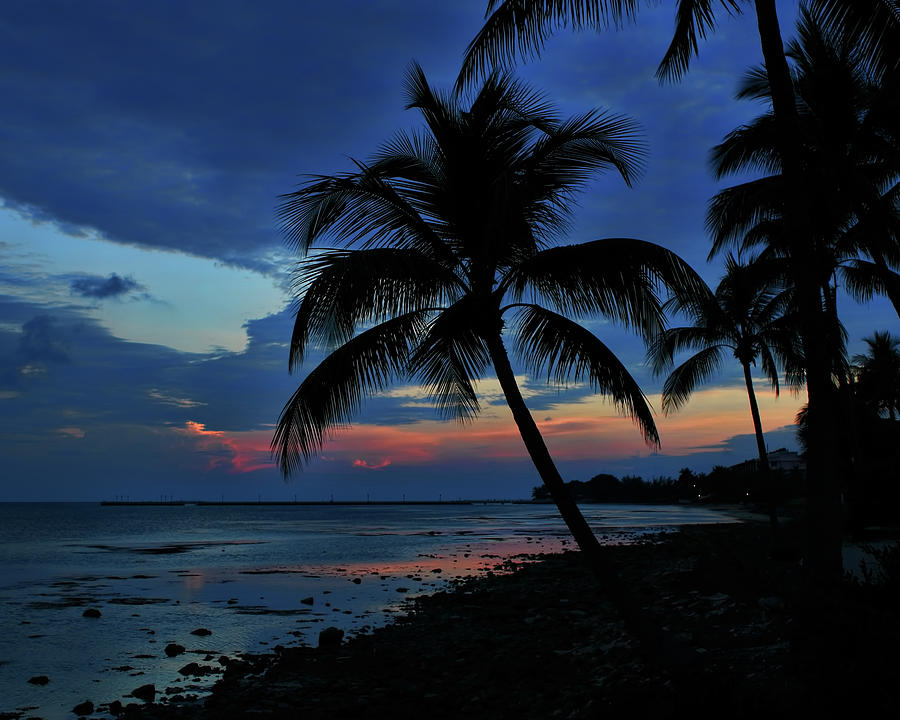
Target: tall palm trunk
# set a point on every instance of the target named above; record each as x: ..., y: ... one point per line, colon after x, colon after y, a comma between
x: 824, y: 503
x: 764, y: 468
x: 652, y: 641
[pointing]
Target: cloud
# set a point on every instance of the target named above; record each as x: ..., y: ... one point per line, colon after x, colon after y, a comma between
x: 371, y: 466
x: 169, y: 399
x: 95, y: 286
x: 40, y: 341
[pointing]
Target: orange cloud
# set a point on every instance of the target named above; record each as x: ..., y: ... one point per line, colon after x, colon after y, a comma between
x: 237, y: 452
x: 371, y: 466
x: 587, y: 429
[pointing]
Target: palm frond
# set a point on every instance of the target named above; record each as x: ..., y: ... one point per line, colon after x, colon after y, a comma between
x: 863, y: 279
x: 562, y: 350
x: 619, y: 278
x: 342, y: 289
x: 751, y: 147
x: 680, y: 384
x: 572, y: 152
x: 736, y: 210
x: 449, y: 358
x: 754, y: 85
x: 334, y: 390
x: 661, y: 351
x: 872, y: 26
x: 693, y: 20
x: 351, y: 208
x: 522, y: 27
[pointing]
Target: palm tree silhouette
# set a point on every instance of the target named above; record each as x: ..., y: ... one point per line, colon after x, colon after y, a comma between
x: 744, y: 318
x: 851, y: 167
x: 521, y: 27
x: 446, y: 240
x: 878, y: 374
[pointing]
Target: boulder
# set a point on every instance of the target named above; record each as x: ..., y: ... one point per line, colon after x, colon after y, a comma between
x: 173, y: 649
x: 91, y: 613
x: 308, y: 600
x: 330, y: 637
x: 145, y: 692
x: 85, y: 708
x: 115, y: 708
x: 194, y: 669
x: 202, y: 632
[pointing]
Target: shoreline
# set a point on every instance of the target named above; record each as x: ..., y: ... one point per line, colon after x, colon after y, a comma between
x: 540, y: 639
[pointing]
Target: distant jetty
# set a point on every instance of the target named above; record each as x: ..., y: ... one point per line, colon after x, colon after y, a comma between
x: 181, y: 503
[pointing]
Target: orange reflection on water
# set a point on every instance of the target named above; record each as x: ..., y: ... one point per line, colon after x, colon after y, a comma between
x: 459, y: 561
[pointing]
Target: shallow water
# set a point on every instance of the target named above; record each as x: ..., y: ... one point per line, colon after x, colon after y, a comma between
x: 156, y: 573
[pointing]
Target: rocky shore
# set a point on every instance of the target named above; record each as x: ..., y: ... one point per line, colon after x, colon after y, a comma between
x: 540, y: 639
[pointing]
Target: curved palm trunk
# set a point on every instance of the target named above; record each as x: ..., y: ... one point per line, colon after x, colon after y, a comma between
x: 652, y: 641
x: 768, y: 480
x: 824, y: 494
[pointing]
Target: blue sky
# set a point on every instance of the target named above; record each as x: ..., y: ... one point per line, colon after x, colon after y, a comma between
x: 144, y: 287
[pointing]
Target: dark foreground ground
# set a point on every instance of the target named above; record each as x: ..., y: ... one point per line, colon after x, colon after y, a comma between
x: 545, y: 642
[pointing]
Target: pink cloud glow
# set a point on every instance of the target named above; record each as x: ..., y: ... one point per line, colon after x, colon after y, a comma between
x: 235, y: 452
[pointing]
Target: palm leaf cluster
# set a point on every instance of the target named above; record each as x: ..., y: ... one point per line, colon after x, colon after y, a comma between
x: 412, y: 261
x: 748, y: 318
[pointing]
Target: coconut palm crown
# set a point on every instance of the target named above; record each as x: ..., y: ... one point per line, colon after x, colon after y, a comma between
x: 446, y: 239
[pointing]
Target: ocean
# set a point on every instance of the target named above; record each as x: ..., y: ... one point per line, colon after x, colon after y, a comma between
x: 253, y: 576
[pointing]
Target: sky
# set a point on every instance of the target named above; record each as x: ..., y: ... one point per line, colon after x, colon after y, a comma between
x: 145, y: 304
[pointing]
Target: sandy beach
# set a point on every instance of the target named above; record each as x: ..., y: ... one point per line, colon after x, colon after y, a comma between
x: 540, y: 639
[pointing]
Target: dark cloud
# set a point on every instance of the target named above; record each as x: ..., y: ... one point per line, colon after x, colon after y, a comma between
x: 41, y: 341
x: 179, y: 125
x: 95, y: 286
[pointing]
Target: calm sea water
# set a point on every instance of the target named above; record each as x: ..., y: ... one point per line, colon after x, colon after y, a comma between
x: 242, y: 572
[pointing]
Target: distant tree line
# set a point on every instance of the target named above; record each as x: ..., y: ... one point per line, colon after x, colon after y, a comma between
x: 740, y: 483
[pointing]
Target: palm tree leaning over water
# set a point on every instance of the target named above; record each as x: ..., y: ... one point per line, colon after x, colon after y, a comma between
x: 521, y: 26
x: 445, y: 240
x: 744, y: 318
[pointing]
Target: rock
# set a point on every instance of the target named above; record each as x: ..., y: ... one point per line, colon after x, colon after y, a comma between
x: 402, y: 589
x: 356, y: 581
x: 308, y: 600
x: 145, y: 692
x: 173, y: 649
x: 39, y: 680
x: 202, y: 632
x: 331, y: 637
x: 194, y: 669
x: 115, y: 708
x: 85, y: 708
x: 91, y: 613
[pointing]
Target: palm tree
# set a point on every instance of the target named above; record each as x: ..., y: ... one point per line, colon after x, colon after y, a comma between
x: 851, y: 160
x: 874, y: 25
x: 743, y: 318
x: 878, y: 374
x: 445, y: 240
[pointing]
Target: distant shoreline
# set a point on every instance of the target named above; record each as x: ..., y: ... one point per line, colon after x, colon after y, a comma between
x: 127, y: 503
